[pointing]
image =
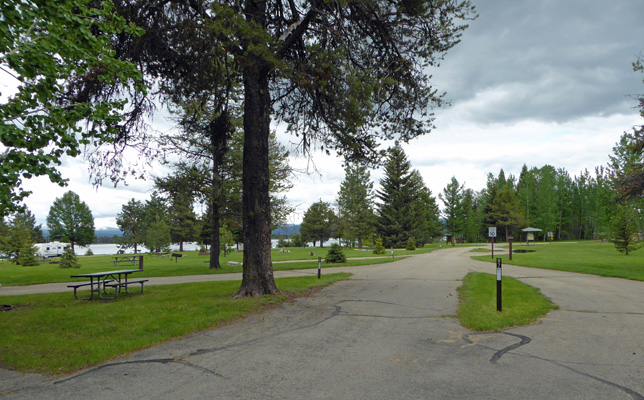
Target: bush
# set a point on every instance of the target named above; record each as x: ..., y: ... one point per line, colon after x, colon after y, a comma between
x: 411, y: 244
x: 335, y: 254
x: 297, y: 241
x: 68, y: 259
x: 283, y: 242
x: 89, y: 252
x: 379, y: 249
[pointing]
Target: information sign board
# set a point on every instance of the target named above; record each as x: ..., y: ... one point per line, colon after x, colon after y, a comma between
x: 491, y: 231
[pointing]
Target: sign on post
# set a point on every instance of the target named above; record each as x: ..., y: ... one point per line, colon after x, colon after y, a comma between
x: 491, y: 232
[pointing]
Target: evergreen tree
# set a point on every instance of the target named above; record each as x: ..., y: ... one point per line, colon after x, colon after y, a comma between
x: 624, y: 226
x: 131, y: 221
x: 317, y: 224
x: 487, y: 199
x: 505, y: 210
x: 355, y: 204
x: 379, y: 248
x: 401, y: 211
x: 471, y: 216
x: 453, y: 213
x: 68, y: 259
x: 411, y: 244
x: 71, y: 220
x: 27, y: 256
x: 432, y: 227
x: 158, y: 238
x: 15, y: 234
x: 335, y: 254
x: 28, y: 219
x: 180, y: 192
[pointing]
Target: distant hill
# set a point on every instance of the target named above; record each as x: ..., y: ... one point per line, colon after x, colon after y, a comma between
x: 286, y: 230
x: 102, y: 232
x: 108, y: 232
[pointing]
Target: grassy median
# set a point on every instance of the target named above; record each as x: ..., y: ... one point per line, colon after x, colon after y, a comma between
x: 595, y: 258
x: 522, y: 304
x: 55, y: 334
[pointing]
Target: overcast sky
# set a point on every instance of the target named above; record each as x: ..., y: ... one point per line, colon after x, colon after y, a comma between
x: 532, y: 82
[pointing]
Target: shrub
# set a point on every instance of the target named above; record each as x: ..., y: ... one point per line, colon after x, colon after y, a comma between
x: 335, y: 254
x: 297, y: 241
x: 283, y: 242
x: 379, y: 248
x: 89, y: 252
x: 68, y: 259
x: 411, y: 244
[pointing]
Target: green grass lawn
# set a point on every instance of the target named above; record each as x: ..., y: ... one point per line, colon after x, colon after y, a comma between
x: 522, y: 303
x: 190, y: 264
x: 584, y: 257
x: 53, y: 334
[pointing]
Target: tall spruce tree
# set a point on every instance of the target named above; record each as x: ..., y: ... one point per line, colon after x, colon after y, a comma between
x: 355, y: 204
x: 505, y: 210
x: 453, y: 211
x: 400, y: 212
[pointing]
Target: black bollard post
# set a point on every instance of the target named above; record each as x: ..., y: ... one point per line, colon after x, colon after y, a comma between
x: 499, y: 297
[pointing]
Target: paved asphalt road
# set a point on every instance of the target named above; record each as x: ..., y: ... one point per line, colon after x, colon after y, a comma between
x: 389, y: 333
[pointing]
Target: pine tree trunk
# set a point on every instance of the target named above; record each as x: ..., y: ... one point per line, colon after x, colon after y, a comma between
x: 257, y: 277
x: 215, y: 247
x: 181, y: 245
x: 218, y: 139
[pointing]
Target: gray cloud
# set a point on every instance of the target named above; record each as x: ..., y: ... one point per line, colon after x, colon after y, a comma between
x: 546, y: 60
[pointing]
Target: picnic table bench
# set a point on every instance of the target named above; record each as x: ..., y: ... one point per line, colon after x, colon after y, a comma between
x: 99, y: 281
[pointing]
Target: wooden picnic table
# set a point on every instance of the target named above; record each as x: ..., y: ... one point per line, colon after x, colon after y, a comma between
x: 99, y: 281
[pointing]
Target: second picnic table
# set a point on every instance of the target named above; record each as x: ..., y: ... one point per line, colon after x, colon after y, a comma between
x: 131, y: 259
x: 98, y: 281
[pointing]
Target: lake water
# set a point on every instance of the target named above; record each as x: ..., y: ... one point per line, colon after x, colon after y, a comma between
x: 103, y: 249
